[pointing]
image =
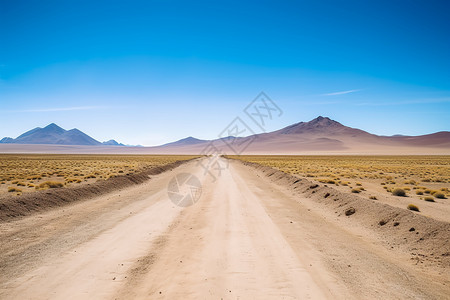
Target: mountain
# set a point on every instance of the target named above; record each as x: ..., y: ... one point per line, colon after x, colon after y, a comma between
x: 320, y: 135
x: 53, y: 134
x: 112, y: 143
x: 185, y: 142
x: 320, y: 125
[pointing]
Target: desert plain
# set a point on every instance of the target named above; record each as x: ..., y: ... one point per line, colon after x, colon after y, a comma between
x: 262, y: 227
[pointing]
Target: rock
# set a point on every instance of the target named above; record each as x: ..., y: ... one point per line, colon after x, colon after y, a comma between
x: 350, y: 211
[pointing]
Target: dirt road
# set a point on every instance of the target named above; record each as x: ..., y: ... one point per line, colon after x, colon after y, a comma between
x: 245, y: 238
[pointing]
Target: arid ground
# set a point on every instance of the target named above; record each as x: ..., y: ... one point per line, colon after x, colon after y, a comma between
x: 253, y: 233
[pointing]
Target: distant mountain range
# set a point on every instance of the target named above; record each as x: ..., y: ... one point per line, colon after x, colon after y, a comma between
x: 53, y: 134
x: 320, y: 135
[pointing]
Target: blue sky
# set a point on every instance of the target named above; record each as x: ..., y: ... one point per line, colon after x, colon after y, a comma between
x: 150, y: 72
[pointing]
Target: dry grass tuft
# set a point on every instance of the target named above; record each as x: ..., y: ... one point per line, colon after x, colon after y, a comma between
x: 50, y: 185
x: 399, y: 192
x: 429, y: 199
x: 413, y: 207
x: 13, y: 189
x: 439, y: 195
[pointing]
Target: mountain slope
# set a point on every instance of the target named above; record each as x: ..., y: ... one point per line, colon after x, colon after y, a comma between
x: 53, y: 134
x: 185, y: 142
x: 321, y: 125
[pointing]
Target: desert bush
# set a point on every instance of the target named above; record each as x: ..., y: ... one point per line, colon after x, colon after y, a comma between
x: 21, y: 184
x: 399, y: 192
x: 413, y: 207
x: 73, y: 180
x: 373, y: 197
x: 439, y: 195
x: 419, y: 192
x: 356, y: 191
x: 429, y: 199
x: 50, y: 184
x: 13, y: 189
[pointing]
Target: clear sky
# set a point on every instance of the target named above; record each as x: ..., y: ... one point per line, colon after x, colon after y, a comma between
x: 150, y: 72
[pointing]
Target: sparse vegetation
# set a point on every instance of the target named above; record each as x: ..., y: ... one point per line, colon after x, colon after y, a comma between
x: 386, y: 172
x: 36, y: 171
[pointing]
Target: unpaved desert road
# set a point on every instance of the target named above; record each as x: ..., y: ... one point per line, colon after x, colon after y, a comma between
x: 245, y: 238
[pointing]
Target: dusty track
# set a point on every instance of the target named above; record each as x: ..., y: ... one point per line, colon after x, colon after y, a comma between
x: 245, y: 238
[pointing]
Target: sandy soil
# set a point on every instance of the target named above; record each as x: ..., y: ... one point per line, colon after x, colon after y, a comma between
x: 247, y: 237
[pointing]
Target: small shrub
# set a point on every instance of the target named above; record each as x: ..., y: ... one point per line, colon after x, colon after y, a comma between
x: 356, y: 191
x: 429, y: 199
x: 13, y: 189
x: 439, y: 195
x: 419, y: 192
x: 413, y: 207
x: 399, y: 192
x: 373, y: 198
x: 50, y: 185
x: 71, y: 180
